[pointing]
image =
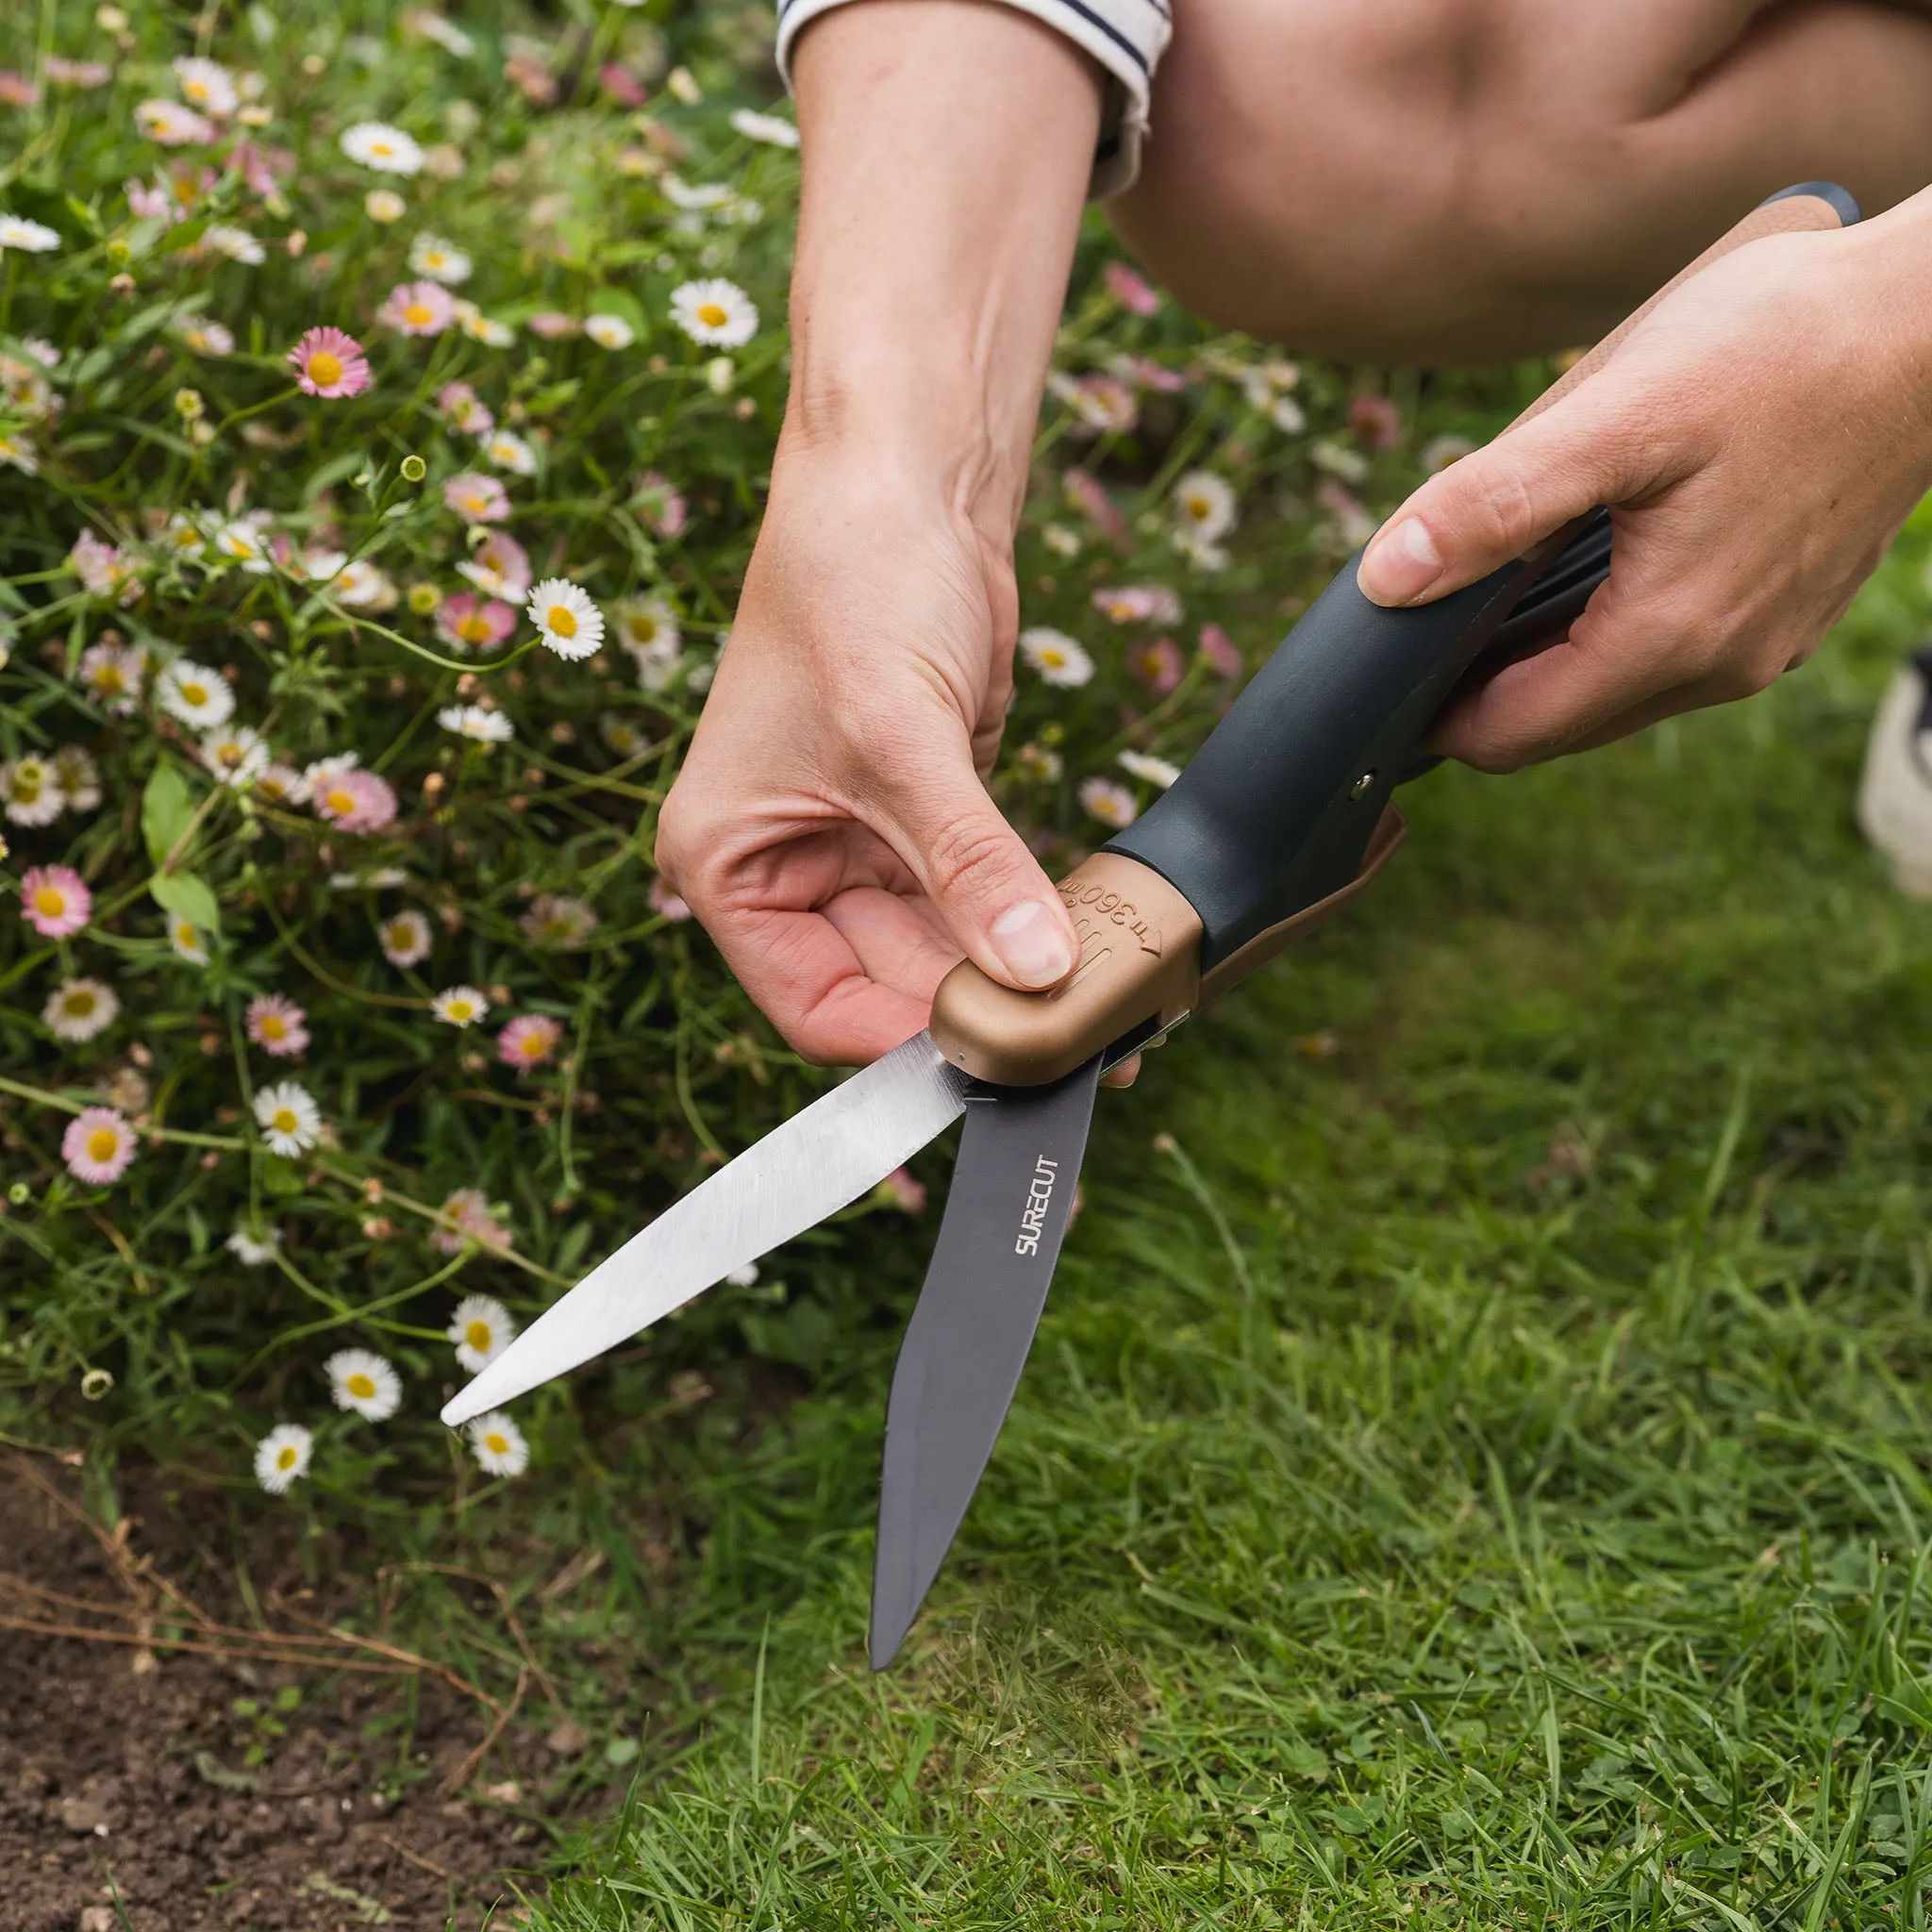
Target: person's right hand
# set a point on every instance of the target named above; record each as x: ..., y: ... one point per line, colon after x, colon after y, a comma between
x: 831, y: 825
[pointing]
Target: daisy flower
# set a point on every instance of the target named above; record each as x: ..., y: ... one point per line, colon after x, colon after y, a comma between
x: 553, y: 326
x: 355, y: 801
x: 79, y: 1009
x: 430, y: 254
x: 557, y: 921
x: 194, y: 694
x: 78, y: 777
x: 609, y: 331
x: 648, y: 627
x: 1055, y: 656
x: 473, y: 720
x: 238, y: 244
x: 481, y: 1327
x: 1219, y: 649
x: 418, y: 309
x: 1100, y: 403
x: 566, y: 620
x: 31, y: 789
x: 477, y: 499
x: 1157, y: 664
x: 361, y: 585
x: 1441, y: 451
x: 1113, y: 805
x: 207, y: 85
x: 529, y: 1041
x: 16, y: 231
x: 509, y: 451
x: 276, y: 1024
x: 104, y: 569
x: 359, y: 1379
x: 282, y: 785
x: 236, y: 756
x: 716, y: 313
x: 1139, y: 604
x: 240, y: 540
x: 1205, y: 504
x: 1143, y: 764
x: 662, y: 507
x: 384, y: 205
x: 1131, y: 291
x: 289, y: 1117
x: 405, y: 939
x: 54, y: 901
x: 387, y: 150
x: 330, y: 364
x: 282, y: 1457
x: 1040, y: 763
x: 665, y: 903
x: 207, y: 339
x: 187, y: 939
x: 462, y: 410
x: 171, y: 125
x: 498, y: 1445
x: 251, y: 1249
x: 482, y: 329
x: 501, y: 567
x: 17, y: 453
x: 459, y: 1006
x: 99, y: 1146
x: 765, y: 127
x: 473, y: 623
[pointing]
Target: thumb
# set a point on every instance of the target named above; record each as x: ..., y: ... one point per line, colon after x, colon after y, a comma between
x: 989, y: 889
x: 1496, y: 503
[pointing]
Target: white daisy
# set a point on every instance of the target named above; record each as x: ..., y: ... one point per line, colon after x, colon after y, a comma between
x: 187, y: 939
x: 361, y: 1380
x: 283, y: 1455
x: 384, y: 205
x: 566, y: 620
x: 236, y: 756
x: 174, y: 125
x: 16, y: 231
x: 509, y: 451
x: 405, y: 939
x: 1143, y: 764
x: 113, y: 675
x: 1113, y: 805
x: 430, y: 254
x: 498, y: 1445
x: 716, y: 311
x: 194, y: 694
x: 17, y: 453
x: 387, y: 150
x: 1205, y: 504
x: 473, y: 720
x: 30, y: 788
x: 238, y: 244
x: 1055, y: 656
x: 459, y: 1006
x: 609, y: 331
x: 207, y: 339
x: 360, y: 585
x: 282, y: 784
x: 474, y: 323
x: 765, y: 127
x: 481, y: 1329
x: 78, y: 777
x: 245, y: 544
x: 79, y: 1009
x: 207, y: 85
x: 253, y: 1250
x: 288, y: 1117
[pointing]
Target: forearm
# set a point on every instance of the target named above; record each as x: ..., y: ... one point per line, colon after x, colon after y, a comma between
x: 946, y: 145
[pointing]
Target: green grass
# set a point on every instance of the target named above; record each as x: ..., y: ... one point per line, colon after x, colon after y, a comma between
x: 1479, y: 1478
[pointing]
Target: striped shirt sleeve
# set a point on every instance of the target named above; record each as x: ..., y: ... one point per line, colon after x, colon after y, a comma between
x: 1126, y: 37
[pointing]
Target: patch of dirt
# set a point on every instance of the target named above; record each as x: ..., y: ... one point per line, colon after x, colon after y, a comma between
x: 124, y: 1782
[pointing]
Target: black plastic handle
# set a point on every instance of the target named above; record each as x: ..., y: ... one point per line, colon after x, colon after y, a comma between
x: 1275, y: 810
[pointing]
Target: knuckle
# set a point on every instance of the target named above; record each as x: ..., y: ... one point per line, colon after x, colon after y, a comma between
x: 1503, y: 505
x: 968, y: 855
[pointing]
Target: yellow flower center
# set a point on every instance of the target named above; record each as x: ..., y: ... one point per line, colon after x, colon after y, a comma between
x: 325, y: 369
x: 643, y: 631
x: 338, y: 800
x: 185, y: 934
x: 1053, y: 658
x: 273, y: 1027
x: 381, y: 149
x: 103, y: 1144
x: 562, y: 619
x: 284, y: 1121
x: 496, y: 1445
x: 287, y: 1455
x: 108, y: 680
x: 50, y: 901
x: 534, y: 1046
x: 360, y: 1386
x: 26, y: 784
x: 477, y: 1336
x: 473, y: 630
x: 711, y: 315
x: 461, y: 1009
x: 79, y: 1004
x: 417, y: 314
x: 184, y: 191
x: 195, y: 694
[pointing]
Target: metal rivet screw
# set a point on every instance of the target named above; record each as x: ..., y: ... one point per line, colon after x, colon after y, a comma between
x: 1360, y: 787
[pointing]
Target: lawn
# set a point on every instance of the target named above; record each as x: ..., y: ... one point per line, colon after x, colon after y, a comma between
x: 1472, y: 1468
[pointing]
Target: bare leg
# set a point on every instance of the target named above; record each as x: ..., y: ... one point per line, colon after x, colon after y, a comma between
x: 1419, y: 181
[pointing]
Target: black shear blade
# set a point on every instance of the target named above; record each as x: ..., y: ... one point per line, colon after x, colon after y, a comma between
x: 967, y: 1341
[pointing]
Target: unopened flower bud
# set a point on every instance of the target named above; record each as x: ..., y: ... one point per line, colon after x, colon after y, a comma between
x: 414, y: 468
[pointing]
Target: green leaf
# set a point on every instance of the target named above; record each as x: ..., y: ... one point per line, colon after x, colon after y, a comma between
x: 280, y: 1176
x: 166, y: 808
x: 187, y: 897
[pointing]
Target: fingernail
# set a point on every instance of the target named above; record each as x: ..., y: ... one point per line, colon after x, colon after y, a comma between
x: 1400, y: 563
x: 1032, y: 944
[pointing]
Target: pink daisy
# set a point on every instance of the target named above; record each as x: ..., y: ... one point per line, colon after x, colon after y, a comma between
x: 1094, y: 502
x: 1129, y: 289
x: 1219, y: 650
x: 355, y: 801
x: 665, y: 903
x: 473, y: 623
x: 276, y: 1024
x: 1377, y: 421
x: 466, y: 1213
x: 460, y: 407
x: 658, y: 504
x: 98, y: 1145
x: 329, y: 364
x: 1139, y: 604
x: 54, y: 901
x: 418, y: 309
x: 501, y: 567
x: 1157, y: 664
x: 476, y: 499
x: 528, y: 1042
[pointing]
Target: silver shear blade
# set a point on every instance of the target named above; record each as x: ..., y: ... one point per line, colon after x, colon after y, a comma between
x: 822, y: 1158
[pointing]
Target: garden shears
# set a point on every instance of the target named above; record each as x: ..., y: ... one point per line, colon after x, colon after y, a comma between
x: 1282, y: 818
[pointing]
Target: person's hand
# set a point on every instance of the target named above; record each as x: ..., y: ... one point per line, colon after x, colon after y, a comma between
x: 832, y: 826
x: 1761, y: 438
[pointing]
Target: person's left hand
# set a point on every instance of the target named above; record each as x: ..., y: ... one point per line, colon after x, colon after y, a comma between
x: 1760, y: 437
